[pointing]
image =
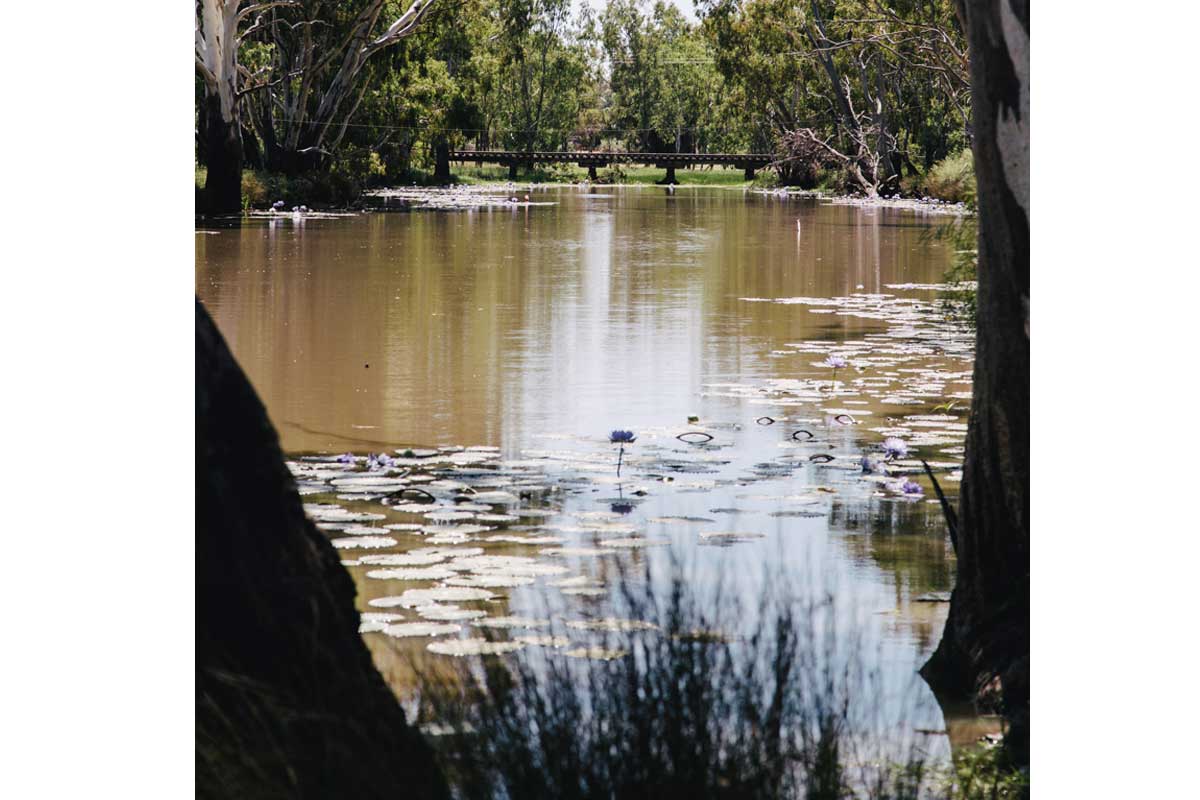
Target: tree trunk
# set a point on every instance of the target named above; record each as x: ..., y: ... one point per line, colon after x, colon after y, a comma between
x: 441, y: 162
x: 288, y: 701
x: 984, y: 651
x: 223, y: 148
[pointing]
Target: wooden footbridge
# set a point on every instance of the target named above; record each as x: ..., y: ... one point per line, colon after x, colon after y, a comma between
x: 598, y: 158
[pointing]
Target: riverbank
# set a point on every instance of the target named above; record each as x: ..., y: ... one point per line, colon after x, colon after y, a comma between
x: 927, y: 205
x: 477, y: 187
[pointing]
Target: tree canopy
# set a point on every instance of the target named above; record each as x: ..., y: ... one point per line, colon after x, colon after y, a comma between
x: 873, y: 91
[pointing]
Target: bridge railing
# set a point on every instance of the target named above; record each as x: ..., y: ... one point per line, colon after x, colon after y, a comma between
x: 513, y: 159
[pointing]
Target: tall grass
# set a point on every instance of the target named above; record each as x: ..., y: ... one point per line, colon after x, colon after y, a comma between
x: 692, y: 710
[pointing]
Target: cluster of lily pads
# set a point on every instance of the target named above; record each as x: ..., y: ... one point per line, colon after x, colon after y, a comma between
x: 442, y: 540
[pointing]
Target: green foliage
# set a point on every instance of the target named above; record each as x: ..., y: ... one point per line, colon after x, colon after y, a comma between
x: 981, y: 774
x: 254, y: 191
x: 633, y: 74
x: 959, y: 300
x: 766, y: 180
x: 613, y: 173
x: 883, y: 84
x: 953, y: 178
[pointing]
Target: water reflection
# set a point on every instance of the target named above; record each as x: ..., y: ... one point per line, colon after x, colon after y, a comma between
x: 488, y: 327
x: 527, y: 328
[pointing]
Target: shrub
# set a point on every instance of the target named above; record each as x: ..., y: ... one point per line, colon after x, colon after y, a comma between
x: 254, y: 191
x: 953, y: 178
x: 767, y: 179
x: 689, y: 710
x: 559, y: 172
x: 613, y: 173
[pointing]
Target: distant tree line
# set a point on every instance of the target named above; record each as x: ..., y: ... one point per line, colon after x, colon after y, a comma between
x: 873, y: 91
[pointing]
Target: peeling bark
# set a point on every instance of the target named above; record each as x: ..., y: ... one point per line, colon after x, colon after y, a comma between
x: 985, y: 645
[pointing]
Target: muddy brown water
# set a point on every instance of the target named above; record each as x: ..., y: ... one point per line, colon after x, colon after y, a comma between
x: 537, y: 330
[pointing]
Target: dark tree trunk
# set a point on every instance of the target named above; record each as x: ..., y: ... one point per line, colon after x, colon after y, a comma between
x: 201, y: 126
x: 441, y: 162
x: 288, y: 701
x: 984, y: 651
x: 223, y: 149
x: 252, y: 156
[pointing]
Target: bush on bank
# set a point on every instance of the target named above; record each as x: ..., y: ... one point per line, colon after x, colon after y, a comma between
x: 952, y: 179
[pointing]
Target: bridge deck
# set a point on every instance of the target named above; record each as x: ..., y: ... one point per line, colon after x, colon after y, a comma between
x: 587, y: 158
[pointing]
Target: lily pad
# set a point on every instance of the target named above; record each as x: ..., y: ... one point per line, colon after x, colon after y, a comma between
x: 363, y: 542
x: 411, y: 574
x: 596, y: 653
x: 437, y: 611
x: 472, y: 647
x: 611, y: 624
x: 511, y: 622
x: 408, y: 629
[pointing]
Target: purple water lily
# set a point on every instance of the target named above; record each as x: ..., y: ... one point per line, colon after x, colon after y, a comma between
x: 621, y: 438
x: 836, y: 363
x: 346, y: 458
x: 895, y: 448
x: 380, y: 461
x: 911, y: 487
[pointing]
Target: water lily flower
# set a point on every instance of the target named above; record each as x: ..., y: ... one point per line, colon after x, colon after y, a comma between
x: 836, y: 363
x: 346, y: 458
x: 380, y: 461
x: 895, y: 448
x: 622, y: 438
x: 911, y: 487
x: 868, y: 465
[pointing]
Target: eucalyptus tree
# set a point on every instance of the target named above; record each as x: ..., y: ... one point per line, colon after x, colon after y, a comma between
x: 864, y: 85
x: 984, y: 654
x: 309, y: 75
x: 633, y: 49
x: 320, y: 51
x: 688, y: 83
x: 220, y: 31
x: 539, y: 68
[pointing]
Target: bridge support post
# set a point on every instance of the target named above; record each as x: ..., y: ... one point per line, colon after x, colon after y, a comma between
x: 592, y: 172
x: 512, y: 170
x: 749, y: 174
x: 670, y: 176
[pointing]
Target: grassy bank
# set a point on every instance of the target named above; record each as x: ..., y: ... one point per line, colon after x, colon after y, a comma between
x: 951, y: 180
x: 260, y: 189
